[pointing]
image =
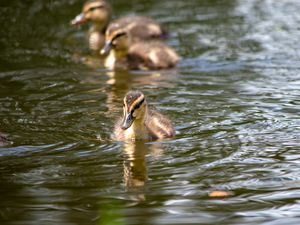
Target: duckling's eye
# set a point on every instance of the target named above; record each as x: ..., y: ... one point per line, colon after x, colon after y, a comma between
x: 96, y: 7
x: 139, y: 104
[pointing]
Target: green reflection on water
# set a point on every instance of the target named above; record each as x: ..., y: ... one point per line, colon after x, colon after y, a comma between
x: 111, y: 214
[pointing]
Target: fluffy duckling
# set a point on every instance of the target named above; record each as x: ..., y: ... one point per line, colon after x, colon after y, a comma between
x: 141, y: 123
x: 99, y: 13
x: 122, y: 52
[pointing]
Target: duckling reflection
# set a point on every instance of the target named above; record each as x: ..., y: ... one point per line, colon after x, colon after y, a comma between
x: 123, y: 53
x: 99, y: 13
x: 135, y: 170
x: 135, y: 166
x: 141, y: 123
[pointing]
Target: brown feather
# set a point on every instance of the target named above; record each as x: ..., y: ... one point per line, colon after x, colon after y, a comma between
x: 141, y: 28
x: 151, y: 55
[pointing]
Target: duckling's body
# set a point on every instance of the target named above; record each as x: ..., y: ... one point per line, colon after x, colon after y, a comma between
x: 99, y: 13
x: 143, y: 56
x: 125, y: 53
x: 141, y: 123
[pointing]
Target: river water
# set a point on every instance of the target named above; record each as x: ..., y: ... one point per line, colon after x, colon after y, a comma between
x: 234, y: 100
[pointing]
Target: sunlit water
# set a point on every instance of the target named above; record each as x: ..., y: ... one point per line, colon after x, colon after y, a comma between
x: 234, y: 100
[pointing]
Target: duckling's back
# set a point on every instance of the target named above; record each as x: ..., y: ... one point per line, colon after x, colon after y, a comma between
x: 159, y: 126
x: 141, y: 28
x: 151, y: 55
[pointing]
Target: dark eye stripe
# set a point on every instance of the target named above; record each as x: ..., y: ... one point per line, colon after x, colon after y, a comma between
x: 118, y: 35
x: 138, y: 105
x: 96, y: 7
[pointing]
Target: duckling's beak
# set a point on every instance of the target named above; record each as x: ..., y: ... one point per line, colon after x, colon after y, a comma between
x: 128, y: 120
x: 106, y: 48
x: 79, y: 19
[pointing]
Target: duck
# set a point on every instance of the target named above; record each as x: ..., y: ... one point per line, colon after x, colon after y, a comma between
x: 123, y: 53
x: 99, y: 13
x: 141, y: 123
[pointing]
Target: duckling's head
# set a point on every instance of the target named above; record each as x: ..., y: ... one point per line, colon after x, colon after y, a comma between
x: 117, y: 38
x: 97, y: 11
x: 134, y: 108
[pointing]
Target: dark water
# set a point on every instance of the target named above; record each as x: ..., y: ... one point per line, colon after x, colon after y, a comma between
x: 234, y: 99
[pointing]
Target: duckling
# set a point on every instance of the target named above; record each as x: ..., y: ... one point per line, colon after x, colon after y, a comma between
x: 141, y: 123
x: 99, y: 13
x: 122, y: 52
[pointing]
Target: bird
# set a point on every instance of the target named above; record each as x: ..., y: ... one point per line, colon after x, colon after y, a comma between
x: 124, y: 53
x: 141, y: 123
x: 99, y: 13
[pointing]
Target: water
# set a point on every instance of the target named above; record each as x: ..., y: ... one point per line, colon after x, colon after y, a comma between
x: 234, y: 100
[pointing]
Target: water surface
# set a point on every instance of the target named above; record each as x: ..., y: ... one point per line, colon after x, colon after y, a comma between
x: 234, y: 100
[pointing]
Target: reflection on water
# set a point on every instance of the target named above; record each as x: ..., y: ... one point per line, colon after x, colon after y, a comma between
x: 234, y: 100
x: 135, y: 166
x: 135, y: 172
